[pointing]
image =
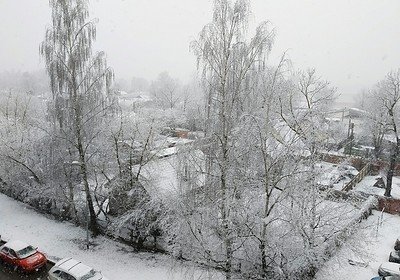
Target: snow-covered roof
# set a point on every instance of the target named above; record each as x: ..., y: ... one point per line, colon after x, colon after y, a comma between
x: 165, y: 152
x: 333, y: 119
x: 135, y: 96
x: 355, y: 112
x: 16, y: 245
x: 161, y: 176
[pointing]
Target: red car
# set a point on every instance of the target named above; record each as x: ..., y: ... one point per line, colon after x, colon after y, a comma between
x: 22, y: 256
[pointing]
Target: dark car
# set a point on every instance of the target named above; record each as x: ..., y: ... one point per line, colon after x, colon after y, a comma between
x: 386, y: 278
x: 397, y: 244
x: 394, y: 256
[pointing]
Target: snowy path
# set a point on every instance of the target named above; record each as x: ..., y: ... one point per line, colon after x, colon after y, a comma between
x: 115, y: 260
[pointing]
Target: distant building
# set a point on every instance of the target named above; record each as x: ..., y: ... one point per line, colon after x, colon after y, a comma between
x: 357, y: 113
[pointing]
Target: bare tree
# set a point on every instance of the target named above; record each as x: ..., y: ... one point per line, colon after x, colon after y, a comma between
x: 166, y: 90
x: 79, y: 80
x: 375, y: 121
x: 302, y: 110
x: 388, y: 91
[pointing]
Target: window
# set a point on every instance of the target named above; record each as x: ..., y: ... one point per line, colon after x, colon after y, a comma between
x: 12, y: 253
x: 26, y: 252
x: 65, y: 276
x: 57, y: 272
x: 5, y: 250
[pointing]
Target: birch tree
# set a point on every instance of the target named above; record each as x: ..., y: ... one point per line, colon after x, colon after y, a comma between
x: 227, y: 61
x: 80, y: 83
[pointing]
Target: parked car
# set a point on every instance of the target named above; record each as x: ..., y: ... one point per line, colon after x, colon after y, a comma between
x: 386, y: 278
x: 22, y: 256
x: 394, y: 256
x: 397, y: 244
x: 70, y: 269
x: 389, y: 269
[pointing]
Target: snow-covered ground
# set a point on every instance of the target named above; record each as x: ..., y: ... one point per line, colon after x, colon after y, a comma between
x: 370, y: 245
x: 366, y: 186
x: 115, y: 260
x: 335, y: 175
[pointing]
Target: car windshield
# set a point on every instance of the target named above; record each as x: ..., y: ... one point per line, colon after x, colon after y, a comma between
x: 26, y: 252
x: 91, y: 274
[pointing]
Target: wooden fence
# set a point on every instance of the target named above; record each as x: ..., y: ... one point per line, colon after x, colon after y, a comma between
x: 363, y: 172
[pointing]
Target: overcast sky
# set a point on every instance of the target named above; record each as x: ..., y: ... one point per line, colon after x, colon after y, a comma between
x: 352, y: 43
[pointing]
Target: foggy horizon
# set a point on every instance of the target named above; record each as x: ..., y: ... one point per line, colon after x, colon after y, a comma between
x: 352, y: 44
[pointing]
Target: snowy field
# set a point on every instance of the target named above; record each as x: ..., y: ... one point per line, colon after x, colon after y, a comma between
x: 369, y: 246
x: 115, y: 260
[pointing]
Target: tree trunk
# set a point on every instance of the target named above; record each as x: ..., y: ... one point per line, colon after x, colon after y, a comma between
x: 82, y: 160
x: 92, y: 214
x: 263, y: 259
x: 393, y: 156
x: 390, y: 173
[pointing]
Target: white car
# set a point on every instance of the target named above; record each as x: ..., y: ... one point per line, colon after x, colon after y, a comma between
x: 389, y: 269
x: 70, y: 269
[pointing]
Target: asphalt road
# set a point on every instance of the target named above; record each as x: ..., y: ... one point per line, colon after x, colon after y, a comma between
x: 7, y: 273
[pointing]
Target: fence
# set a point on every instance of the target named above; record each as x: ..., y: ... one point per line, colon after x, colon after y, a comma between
x: 363, y: 172
x: 389, y: 205
x: 357, y: 162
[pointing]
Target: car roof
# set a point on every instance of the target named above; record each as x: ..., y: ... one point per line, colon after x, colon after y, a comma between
x: 74, y: 267
x: 391, y: 266
x: 16, y: 245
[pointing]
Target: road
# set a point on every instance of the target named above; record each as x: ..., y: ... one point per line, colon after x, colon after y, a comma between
x: 6, y: 273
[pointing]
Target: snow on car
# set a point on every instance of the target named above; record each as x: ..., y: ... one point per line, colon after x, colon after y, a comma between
x: 70, y: 269
x: 397, y: 244
x: 394, y: 256
x: 389, y: 269
x: 22, y: 256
